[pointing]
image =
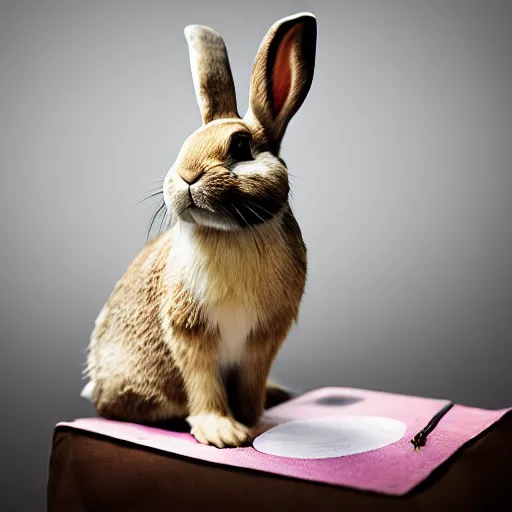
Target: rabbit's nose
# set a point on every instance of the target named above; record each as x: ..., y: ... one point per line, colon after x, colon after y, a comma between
x: 190, y: 176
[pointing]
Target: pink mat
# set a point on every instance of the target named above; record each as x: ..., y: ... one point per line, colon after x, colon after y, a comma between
x: 394, y: 469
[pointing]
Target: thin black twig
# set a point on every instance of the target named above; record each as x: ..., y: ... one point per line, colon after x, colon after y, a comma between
x: 420, y: 438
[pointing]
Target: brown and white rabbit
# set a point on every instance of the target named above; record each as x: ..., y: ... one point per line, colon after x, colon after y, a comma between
x: 194, y: 324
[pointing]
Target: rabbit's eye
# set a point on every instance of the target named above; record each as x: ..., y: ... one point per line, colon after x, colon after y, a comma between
x: 240, y: 147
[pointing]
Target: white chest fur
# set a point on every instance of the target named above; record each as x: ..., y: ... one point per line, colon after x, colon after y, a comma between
x: 234, y: 320
x: 235, y: 325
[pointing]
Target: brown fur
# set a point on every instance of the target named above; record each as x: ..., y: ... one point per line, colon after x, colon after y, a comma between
x: 134, y: 371
x: 247, y: 198
x: 167, y: 347
x: 214, y: 87
x: 154, y: 352
x: 297, y: 43
x: 207, y: 148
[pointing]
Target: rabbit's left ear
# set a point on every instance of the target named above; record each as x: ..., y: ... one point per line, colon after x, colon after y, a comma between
x: 282, y: 74
x: 211, y: 73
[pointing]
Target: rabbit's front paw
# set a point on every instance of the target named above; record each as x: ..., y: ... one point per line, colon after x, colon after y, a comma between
x: 220, y: 431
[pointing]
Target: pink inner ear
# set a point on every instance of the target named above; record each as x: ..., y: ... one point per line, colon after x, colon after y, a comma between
x: 282, y: 71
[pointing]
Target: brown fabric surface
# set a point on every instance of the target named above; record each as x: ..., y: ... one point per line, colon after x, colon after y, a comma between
x: 89, y: 473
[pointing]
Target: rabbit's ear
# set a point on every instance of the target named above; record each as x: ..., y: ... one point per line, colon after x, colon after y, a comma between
x: 211, y: 73
x: 282, y: 74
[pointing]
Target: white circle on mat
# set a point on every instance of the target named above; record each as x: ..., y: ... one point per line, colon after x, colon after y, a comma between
x: 329, y: 437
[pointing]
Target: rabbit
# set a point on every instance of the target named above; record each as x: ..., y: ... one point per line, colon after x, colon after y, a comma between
x: 191, y: 329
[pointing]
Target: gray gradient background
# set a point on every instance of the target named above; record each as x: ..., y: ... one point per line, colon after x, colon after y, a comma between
x: 404, y: 153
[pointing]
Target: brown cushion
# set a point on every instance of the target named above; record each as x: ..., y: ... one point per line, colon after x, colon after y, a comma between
x: 96, y: 474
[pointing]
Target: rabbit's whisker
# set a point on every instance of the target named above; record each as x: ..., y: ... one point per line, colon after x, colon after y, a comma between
x: 255, y: 237
x: 163, y: 222
x: 241, y: 216
x: 153, y: 219
x: 257, y: 215
x: 251, y: 229
x: 151, y: 194
x: 256, y: 205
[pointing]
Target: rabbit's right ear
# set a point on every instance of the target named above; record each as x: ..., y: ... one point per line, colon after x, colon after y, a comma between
x: 282, y: 74
x: 211, y: 73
